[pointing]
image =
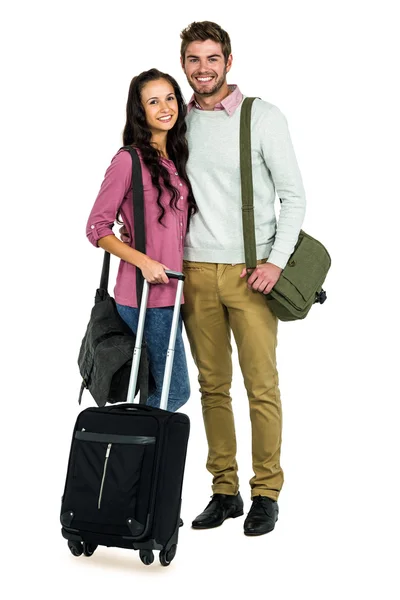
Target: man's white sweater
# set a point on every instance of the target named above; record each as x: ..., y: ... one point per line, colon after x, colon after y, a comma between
x: 216, y: 231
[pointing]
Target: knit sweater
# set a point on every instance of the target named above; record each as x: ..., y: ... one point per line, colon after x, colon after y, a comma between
x: 216, y: 231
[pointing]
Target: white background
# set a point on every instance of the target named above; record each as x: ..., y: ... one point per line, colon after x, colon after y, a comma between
x: 332, y: 68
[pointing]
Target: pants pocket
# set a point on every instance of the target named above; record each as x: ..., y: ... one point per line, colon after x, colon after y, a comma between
x: 190, y: 266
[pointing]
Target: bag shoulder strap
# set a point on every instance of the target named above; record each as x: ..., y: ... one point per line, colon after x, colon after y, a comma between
x: 140, y: 244
x: 138, y: 215
x: 139, y: 228
x: 246, y: 176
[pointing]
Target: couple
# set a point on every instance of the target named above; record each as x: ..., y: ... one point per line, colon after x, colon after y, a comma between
x: 192, y: 194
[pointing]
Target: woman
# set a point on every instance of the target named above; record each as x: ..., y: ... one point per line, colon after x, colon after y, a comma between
x: 155, y: 126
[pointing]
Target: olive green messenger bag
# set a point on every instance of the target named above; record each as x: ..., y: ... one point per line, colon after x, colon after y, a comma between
x: 300, y: 283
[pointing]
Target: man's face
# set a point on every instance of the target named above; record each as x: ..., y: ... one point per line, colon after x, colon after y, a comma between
x: 205, y: 67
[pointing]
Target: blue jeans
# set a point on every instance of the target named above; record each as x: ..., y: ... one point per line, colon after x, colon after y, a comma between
x: 157, y: 329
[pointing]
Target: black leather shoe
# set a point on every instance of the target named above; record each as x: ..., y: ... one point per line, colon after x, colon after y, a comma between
x: 220, y: 508
x: 180, y: 522
x: 262, y: 516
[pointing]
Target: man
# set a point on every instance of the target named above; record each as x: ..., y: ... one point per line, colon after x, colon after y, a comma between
x: 219, y: 299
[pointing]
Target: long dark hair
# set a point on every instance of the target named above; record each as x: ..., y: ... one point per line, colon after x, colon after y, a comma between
x: 138, y: 134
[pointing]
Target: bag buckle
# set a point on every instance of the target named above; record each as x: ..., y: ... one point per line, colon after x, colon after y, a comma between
x: 320, y: 297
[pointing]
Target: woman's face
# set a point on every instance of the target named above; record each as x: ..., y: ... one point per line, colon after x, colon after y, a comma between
x: 160, y: 105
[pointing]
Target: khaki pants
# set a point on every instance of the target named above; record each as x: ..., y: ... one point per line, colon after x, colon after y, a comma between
x: 217, y: 302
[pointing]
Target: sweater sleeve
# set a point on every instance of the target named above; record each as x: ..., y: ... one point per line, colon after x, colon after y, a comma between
x: 280, y: 159
x: 115, y: 186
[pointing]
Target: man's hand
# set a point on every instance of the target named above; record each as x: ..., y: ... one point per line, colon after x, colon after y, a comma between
x: 263, y: 278
x: 124, y: 234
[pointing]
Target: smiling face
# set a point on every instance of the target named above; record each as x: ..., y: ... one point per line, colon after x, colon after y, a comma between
x: 160, y: 105
x: 205, y: 67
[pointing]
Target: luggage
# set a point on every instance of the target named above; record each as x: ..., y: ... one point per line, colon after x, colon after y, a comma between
x: 106, y: 350
x: 125, y: 471
x: 299, y: 286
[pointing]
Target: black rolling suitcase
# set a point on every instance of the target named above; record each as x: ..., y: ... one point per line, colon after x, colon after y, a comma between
x: 125, y: 471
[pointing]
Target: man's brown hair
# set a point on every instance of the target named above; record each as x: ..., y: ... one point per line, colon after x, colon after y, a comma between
x: 200, y: 31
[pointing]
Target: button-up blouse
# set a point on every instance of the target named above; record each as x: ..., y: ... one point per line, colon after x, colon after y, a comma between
x: 164, y: 242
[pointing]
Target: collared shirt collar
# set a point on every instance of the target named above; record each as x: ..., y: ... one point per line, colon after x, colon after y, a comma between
x: 229, y: 104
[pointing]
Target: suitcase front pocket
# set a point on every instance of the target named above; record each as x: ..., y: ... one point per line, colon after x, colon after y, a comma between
x: 108, y: 473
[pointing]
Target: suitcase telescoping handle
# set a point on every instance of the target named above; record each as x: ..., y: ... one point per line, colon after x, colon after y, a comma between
x: 171, y: 345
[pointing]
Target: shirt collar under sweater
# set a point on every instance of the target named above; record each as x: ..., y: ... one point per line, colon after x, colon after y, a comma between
x: 229, y: 104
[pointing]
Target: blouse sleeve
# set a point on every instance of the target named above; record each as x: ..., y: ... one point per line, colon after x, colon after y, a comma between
x: 115, y: 186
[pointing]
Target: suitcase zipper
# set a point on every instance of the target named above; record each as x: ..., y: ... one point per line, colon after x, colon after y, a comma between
x: 104, y: 474
x: 137, y: 440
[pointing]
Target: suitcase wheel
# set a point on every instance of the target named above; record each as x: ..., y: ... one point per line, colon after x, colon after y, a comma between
x: 75, y: 547
x: 78, y: 548
x: 146, y: 556
x: 167, y: 556
x: 88, y: 549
